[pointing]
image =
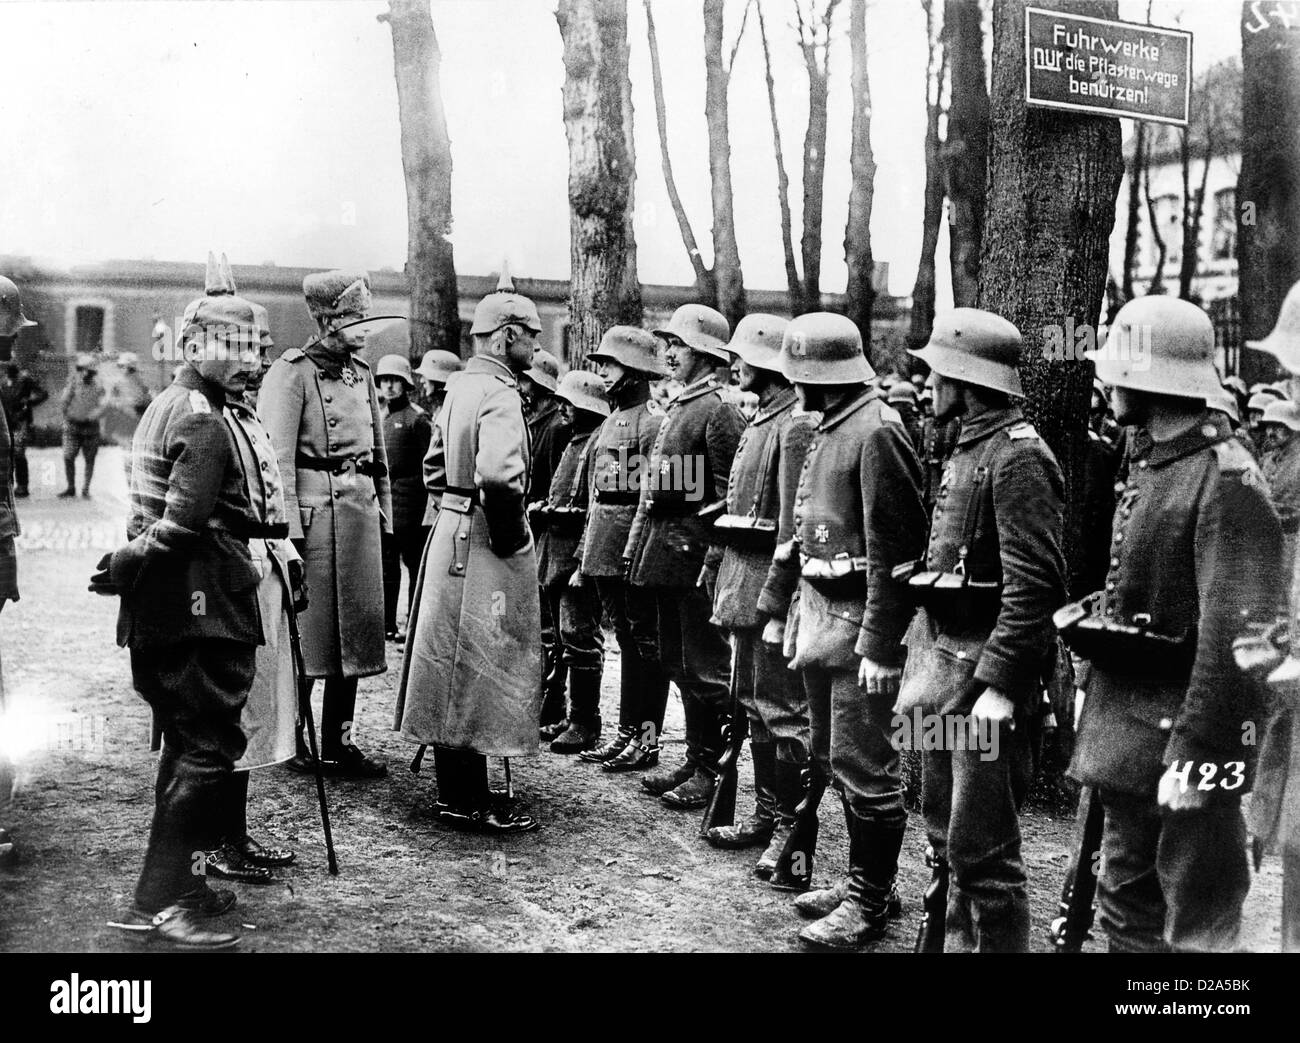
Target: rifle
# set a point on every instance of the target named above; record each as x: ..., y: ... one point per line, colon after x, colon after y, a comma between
x: 1073, y: 926
x: 934, y: 905
x: 794, y: 866
x: 304, y: 704
x: 722, y: 805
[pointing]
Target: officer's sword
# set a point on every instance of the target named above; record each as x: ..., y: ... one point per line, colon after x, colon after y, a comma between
x: 304, y: 702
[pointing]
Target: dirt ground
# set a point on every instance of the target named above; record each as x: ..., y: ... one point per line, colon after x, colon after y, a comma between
x: 611, y: 868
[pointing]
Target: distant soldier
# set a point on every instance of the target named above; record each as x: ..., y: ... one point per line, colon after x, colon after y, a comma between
x: 903, y: 398
x: 407, y: 430
x: 1166, y: 736
x: 12, y: 320
x: 992, y: 575
x: 189, y: 614
x: 1255, y: 408
x: 574, y: 603
x: 20, y: 393
x: 130, y: 393
x: 548, y: 433
x: 471, y: 678
x: 770, y: 694
x: 626, y: 361
x: 688, y: 469
x: 857, y: 516
x: 1101, y: 421
x: 1281, y: 424
x: 434, y: 369
x: 83, y: 402
x: 320, y: 406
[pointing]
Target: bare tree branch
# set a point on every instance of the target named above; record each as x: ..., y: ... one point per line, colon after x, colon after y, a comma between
x: 744, y: 19
x: 782, y: 179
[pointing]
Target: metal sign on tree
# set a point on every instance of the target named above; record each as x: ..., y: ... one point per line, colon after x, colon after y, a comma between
x: 1107, y: 67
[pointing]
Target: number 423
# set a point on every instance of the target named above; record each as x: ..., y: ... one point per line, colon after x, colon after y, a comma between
x: 1234, y: 775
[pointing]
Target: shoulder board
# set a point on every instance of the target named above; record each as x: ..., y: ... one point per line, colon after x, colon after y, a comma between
x: 360, y: 362
x: 199, y: 402
x: 890, y: 415
x: 1024, y: 430
x: 507, y: 381
x: 293, y: 354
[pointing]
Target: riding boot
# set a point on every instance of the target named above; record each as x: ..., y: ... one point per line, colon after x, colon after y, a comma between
x: 551, y: 720
x: 464, y: 800
x: 583, y: 731
x: 863, y: 916
x: 340, y: 756
x: 758, y: 828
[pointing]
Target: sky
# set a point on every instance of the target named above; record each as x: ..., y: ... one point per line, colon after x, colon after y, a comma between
x: 269, y: 130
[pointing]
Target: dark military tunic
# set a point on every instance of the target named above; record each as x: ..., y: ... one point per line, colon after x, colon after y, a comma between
x: 689, y: 466
x: 558, y: 544
x: 406, y: 441
x: 549, y: 432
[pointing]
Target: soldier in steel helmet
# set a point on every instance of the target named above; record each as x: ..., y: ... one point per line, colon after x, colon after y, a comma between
x: 407, y: 431
x: 1281, y: 425
x: 990, y: 578
x: 471, y: 677
x: 189, y: 615
x: 20, y: 391
x: 857, y: 516
x: 84, y: 401
x: 434, y: 369
x: 688, y: 469
x: 321, y: 407
x: 573, y: 604
x: 1166, y: 734
x: 627, y: 361
x: 12, y: 320
x: 770, y: 694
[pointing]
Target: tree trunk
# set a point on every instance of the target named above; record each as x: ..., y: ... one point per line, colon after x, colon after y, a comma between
x: 726, y: 255
x: 1135, y: 174
x: 1053, y: 181
x: 793, y: 283
x: 966, y: 150
x: 922, y: 318
x: 1153, y: 220
x: 1268, y: 189
x: 706, y: 289
x: 597, y: 121
x: 860, y: 293
x: 814, y: 171
x: 426, y: 163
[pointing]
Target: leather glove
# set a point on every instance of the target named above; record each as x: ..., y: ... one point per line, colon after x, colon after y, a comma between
x: 708, y: 581
x: 298, y: 585
x: 507, y: 523
x: 101, y: 582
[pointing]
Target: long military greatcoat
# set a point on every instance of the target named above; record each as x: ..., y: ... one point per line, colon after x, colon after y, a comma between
x: 339, y: 516
x: 472, y: 677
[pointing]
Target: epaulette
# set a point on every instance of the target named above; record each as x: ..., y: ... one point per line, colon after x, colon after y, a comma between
x: 199, y: 402
x: 1234, y: 458
x: 890, y: 415
x: 293, y: 354
x: 360, y: 362
x: 1022, y: 430
x: 507, y: 381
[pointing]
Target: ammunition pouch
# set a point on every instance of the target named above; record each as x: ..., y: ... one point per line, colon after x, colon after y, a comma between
x: 745, y: 533
x: 1263, y: 647
x: 562, y: 521
x: 661, y: 506
x: 618, y: 497
x: 839, y: 577
x: 951, y: 598
x: 1130, y: 649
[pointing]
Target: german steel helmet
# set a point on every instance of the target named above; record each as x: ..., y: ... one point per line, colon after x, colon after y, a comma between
x: 395, y: 366
x: 757, y: 340
x: 338, y: 294
x: 1161, y: 345
x: 1258, y: 402
x: 87, y: 361
x: 1284, y: 342
x: 1225, y: 402
x: 699, y: 327
x: 902, y: 392
x: 1235, y: 384
x: 975, y: 347
x: 437, y: 366
x: 584, y: 390
x: 503, y: 307
x: 12, y: 318
x: 632, y: 348
x: 1282, y: 412
x: 823, y: 348
x: 128, y: 360
x: 545, y: 370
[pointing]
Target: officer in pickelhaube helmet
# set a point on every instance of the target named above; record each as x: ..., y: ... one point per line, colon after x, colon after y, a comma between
x: 857, y: 515
x: 189, y: 614
x: 321, y: 407
x: 688, y: 469
x: 1194, y: 558
x: 471, y: 678
x: 991, y: 576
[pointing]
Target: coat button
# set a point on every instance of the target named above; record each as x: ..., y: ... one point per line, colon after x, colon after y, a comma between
x: 1142, y: 464
x: 333, y: 422
x: 329, y: 398
x: 1119, y: 537
x: 337, y: 493
x: 961, y: 654
x: 1114, y: 563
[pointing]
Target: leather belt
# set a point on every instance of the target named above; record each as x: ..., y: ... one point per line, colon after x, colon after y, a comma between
x: 340, y: 464
x: 618, y: 498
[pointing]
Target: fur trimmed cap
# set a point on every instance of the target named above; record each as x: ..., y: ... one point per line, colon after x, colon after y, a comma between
x: 338, y: 294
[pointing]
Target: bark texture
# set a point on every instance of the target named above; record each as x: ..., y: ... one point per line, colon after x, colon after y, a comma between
x: 860, y: 292
x: 966, y: 145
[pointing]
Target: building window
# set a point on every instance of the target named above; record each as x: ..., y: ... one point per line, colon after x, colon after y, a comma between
x: 88, y: 326
x: 89, y: 329
x: 1224, y: 236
